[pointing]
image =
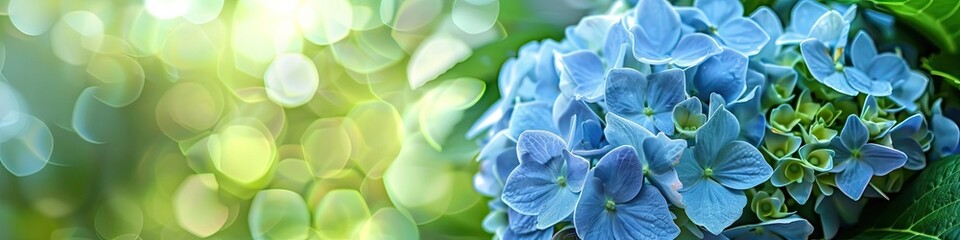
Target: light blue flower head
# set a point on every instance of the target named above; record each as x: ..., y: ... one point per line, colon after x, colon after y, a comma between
x: 724, y: 20
x: 717, y: 170
x: 912, y: 136
x: 658, y: 39
x: 724, y: 74
x: 647, y: 100
x: 616, y: 204
x: 548, y: 181
x: 907, y: 86
x: 856, y: 161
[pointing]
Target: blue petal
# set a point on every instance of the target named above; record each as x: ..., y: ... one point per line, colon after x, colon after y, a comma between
x: 724, y: 74
x: 882, y: 159
x: 505, y: 164
x: 494, y: 221
x: 712, y: 205
x: 618, y: 170
x: 647, y: 216
x: 581, y: 75
x: 660, y: 25
x: 770, y: 23
x: 520, y: 223
x: 616, y: 38
x: 565, y: 108
x: 740, y: 165
x: 865, y: 84
x: 531, y: 116
x: 484, y: 181
x: 751, y: 118
x: 830, y: 29
x: 862, y: 51
x: 801, y: 191
x: 576, y: 171
x: 530, y: 187
x: 888, y: 67
x: 720, y: 11
x: 591, y: 217
x: 854, y: 134
x: 593, y: 29
x: 626, y: 91
x: 667, y: 89
x: 646, y: 50
x: 916, y: 158
x: 539, y: 146
x: 535, y: 235
x: 744, y: 35
x: 694, y: 49
x: 817, y: 59
x: 784, y: 228
x: 906, y: 92
x: 547, y: 78
x: 662, y: 153
x: 805, y: 14
x: 689, y: 170
x: 854, y: 178
x: 720, y: 129
x: 557, y: 209
x: 695, y: 18
x: 946, y: 131
x: 491, y: 117
x: 839, y: 82
x: 621, y: 131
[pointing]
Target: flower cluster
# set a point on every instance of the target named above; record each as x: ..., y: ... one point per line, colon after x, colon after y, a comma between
x: 658, y: 120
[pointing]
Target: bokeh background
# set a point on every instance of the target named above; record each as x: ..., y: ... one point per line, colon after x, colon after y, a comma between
x: 237, y: 119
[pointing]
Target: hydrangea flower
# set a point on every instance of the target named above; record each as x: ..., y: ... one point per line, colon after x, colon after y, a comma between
x: 548, y: 180
x: 811, y: 19
x: 716, y: 170
x: 616, y: 204
x: 724, y: 20
x: 947, y: 140
x: 658, y: 154
x: 909, y: 85
x: 646, y: 100
x: 658, y: 38
x: 856, y: 160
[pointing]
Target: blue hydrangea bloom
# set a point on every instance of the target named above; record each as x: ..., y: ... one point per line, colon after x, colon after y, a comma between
x: 907, y: 86
x: 724, y: 74
x: 658, y: 153
x: 616, y: 204
x: 581, y: 75
x: 856, y: 161
x: 578, y: 125
x: 658, y: 38
x: 784, y: 228
x: 912, y: 137
x: 548, y: 180
x: 647, y: 100
x: 835, y: 211
x: 947, y: 140
x: 723, y: 19
x: 716, y: 170
x: 523, y: 227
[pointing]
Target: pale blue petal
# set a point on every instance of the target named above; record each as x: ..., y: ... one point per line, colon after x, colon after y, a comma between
x: 616, y: 38
x: 646, y: 216
x: 817, y: 59
x: 620, y: 131
x: 558, y: 208
x: 494, y: 115
x: 660, y: 24
x: 689, y: 170
x: 839, y: 82
x: 664, y: 122
x: 770, y: 23
x: 494, y: 220
x: 720, y: 11
x: 592, y: 29
x: 539, y: 146
x: 626, y: 91
x: 724, y: 74
x: 520, y: 223
x: 805, y: 14
x: 829, y: 29
x: 581, y: 75
x: 862, y: 51
x: 946, y: 131
x: 695, y: 18
x: 694, y: 49
x: 882, y: 159
x: 531, y: 116
x: 854, y: 178
x: 591, y: 217
x: 906, y: 92
x: 547, y: 79
x: 888, y: 67
x: 647, y: 50
x: 667, y: 89
x: 916, y: 158
x: 505, y: 164
x: 530, y: 187
x: 576, y: 168
x: 669, y: 185
x: 751, y: 118
x: 535, y: 235
x: 791, y: 38
x: 662, y: 153
x: 801, y: 191
x: 740, y: 165
x: 485, y: 181
x: 618, y: 170
x: 744, y: 35
x: 854, y: 134
x: 565, y: 108
x: 720, y: 129
x: 867, y: 85
x: 712, y: 205
x: 785, y: 228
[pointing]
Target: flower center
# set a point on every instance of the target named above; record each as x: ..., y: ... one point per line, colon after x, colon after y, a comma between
x: 648, y: 111
x: 562, y: 181
x: 838, y: 66
x: 766, y: 207
x: 713, y: 29
x: 708, y: 172
x: 780, y: 153
x: 814, y: 160
x: 794, y: 168
x: 611, y: 206
x: 855, y: 153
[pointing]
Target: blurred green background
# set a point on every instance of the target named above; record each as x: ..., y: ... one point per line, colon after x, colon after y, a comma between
x: 267, y: 119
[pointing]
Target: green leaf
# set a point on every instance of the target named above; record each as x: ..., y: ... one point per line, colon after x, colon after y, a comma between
x: 929, y: 209
x: 939, y: 20
x: 944, y: 65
